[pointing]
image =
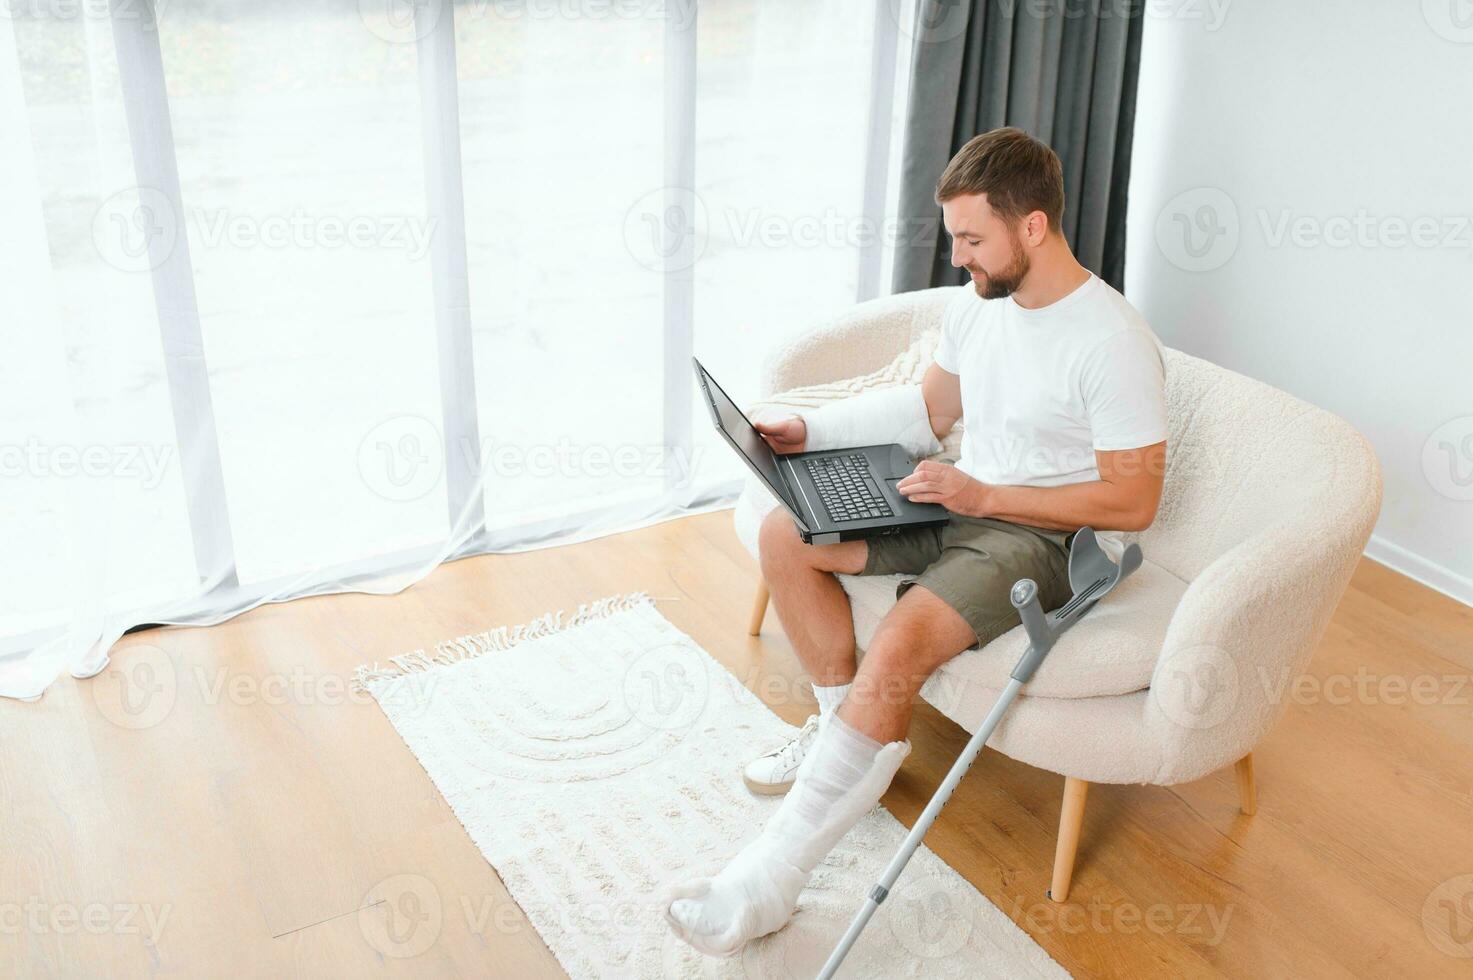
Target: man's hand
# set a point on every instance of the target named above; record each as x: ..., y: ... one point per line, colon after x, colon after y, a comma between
x: 1124, y: 498
x: 784, y: 436
x: 944, y: 484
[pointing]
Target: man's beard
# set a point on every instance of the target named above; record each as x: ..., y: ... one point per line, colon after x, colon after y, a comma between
x: 1007, y: 281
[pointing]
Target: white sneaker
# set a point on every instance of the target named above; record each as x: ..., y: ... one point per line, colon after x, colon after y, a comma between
x: 774, y: 773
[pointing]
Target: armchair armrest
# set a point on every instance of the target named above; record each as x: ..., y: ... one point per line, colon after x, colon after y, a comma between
x: 1247, y: 626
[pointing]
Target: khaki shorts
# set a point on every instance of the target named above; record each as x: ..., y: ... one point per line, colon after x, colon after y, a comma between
x: 971, y: 564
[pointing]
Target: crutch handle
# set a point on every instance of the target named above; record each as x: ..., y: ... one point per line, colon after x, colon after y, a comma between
x: 1041, y: 638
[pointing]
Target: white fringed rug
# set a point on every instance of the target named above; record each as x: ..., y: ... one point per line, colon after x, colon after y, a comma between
x: 593, y: 759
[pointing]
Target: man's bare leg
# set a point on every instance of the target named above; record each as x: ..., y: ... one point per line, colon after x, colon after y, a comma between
x: 809, y: 600
x: 919, y: 634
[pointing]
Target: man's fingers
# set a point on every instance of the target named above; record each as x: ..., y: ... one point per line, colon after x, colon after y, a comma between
x: 782, y: 430
x: 923, y: 469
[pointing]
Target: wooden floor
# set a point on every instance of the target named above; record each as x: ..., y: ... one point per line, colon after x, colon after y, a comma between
x: 240, y: 819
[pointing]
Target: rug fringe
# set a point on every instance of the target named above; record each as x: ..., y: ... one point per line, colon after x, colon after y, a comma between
x: 501, y: 638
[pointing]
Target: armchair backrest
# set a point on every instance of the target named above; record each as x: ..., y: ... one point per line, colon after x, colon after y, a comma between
x: 1243, y: 456
x: 1266, y: 510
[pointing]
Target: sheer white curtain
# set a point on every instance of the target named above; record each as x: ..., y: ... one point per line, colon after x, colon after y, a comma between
x: 305, y: 296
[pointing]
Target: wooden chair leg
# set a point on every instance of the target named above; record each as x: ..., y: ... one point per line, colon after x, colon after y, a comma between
x: 759, y: 608
x: 1247, y: 792
x: 1071, y: 817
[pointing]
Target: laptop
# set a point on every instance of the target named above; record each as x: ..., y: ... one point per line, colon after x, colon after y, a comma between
x: 833, y: 494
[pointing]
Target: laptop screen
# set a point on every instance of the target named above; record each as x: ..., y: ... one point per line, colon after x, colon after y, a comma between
x: 746, y: 440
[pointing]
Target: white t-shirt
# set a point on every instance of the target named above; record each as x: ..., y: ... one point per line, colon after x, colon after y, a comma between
x: 1043, y: 389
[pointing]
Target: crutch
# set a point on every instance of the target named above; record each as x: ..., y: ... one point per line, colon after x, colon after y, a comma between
x: 1091, y: 576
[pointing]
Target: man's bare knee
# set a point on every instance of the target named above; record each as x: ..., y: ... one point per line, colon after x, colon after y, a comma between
x: 920, y: 629
x: 777, y: 540
x: 779, y: 544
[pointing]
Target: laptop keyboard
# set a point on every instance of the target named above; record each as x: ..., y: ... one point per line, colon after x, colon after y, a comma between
x: 847, y: 488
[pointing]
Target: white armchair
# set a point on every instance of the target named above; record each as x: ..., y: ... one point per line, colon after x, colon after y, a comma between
x: 1267, y: 506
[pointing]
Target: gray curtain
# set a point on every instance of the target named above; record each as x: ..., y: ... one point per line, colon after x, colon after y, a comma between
x: 1062, y: 70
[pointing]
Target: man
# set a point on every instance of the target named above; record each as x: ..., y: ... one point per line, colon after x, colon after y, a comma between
x: 1062, y: 387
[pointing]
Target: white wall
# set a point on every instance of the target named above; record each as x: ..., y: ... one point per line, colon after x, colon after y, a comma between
x: 1322, y: 155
